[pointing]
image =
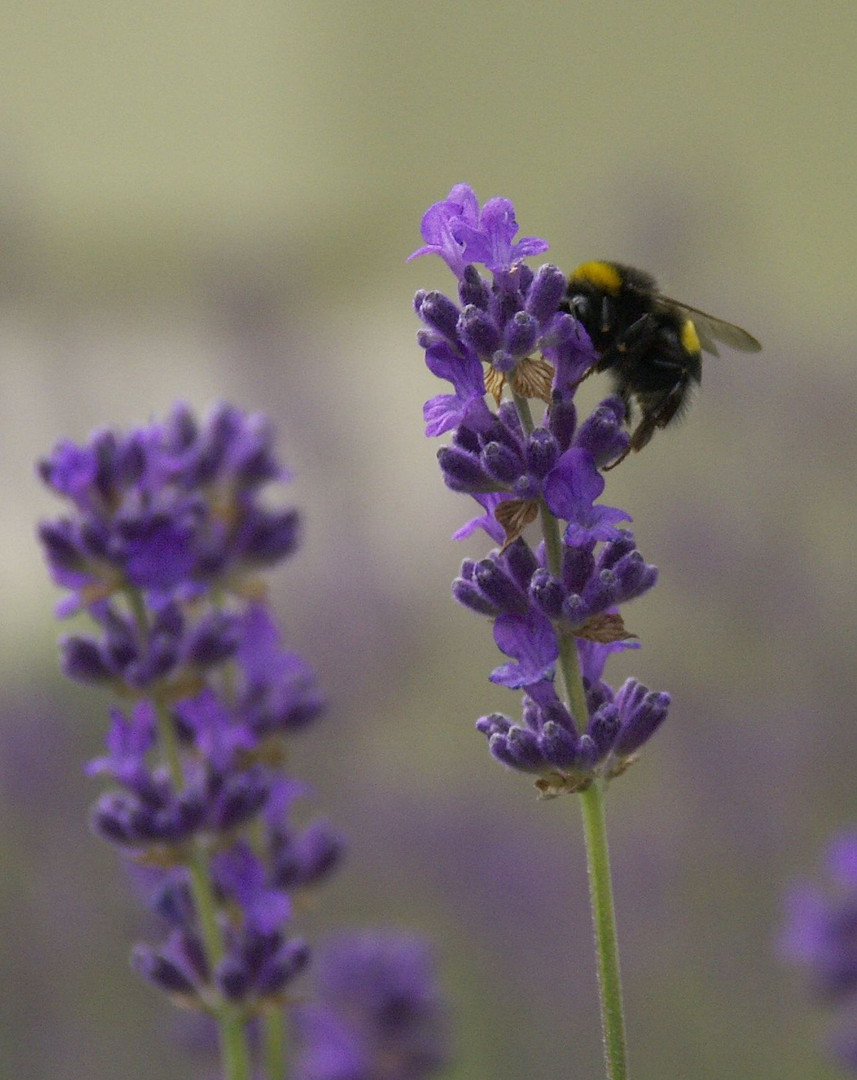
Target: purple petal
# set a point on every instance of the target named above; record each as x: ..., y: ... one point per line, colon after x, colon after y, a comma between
x: 598, y: 524
x: 489, y: 500
x: 571, y: 488
x: 71, y: 469
x: 455, y: 230
x: 841, y: 858
x: 593, y: 656
x: 443, y: 224
x: 531, y: 641
x: 573, y: 485
x: 499, y: 226
x: 466, y: 405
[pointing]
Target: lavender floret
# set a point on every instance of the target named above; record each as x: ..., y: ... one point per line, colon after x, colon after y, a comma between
x: 169, y: 509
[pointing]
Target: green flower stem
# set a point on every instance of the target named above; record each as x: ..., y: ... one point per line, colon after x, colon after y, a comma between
x: 522, y: 404
x: 600, y: 887
x: 594, y: 823
x: 569, y: 662
x: 233, y: 1045
x: 205, y: 905
x: 274, y: 1034
x: 604, y: 924
x: 233, y: 1036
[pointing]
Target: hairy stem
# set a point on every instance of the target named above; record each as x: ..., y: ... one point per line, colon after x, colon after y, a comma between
x: 594, y: 823
x: 604, y: 925
x: 275, y: 1044
x: 233, y: 1037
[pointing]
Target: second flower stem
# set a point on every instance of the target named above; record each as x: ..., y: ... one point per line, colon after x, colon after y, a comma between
x: 594, y: 823
x: 233, y: 1035
x: 604, y: 925
x: 600, y: 888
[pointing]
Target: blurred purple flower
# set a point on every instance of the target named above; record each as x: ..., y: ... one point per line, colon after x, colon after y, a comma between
x: 819, y: 933
x: 376, y: 1015
x: 820, y: 930
x: 172, y: 509
x: 164, y: 536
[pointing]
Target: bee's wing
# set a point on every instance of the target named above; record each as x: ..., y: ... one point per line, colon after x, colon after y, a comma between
x: 710, y: 329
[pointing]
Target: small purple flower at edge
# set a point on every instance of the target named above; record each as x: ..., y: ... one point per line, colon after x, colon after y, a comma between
x: 819, y: 933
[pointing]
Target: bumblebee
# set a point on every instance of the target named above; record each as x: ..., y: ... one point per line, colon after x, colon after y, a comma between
x: 651, y: 345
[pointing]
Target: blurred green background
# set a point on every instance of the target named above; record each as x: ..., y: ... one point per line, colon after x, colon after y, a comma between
x: 215, y: 200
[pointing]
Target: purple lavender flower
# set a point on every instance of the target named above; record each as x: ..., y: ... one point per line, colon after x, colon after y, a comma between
x: 571, y: 489
x: 549, y: 744
x: 553, y: 604
x: 590, y: 583
x: 501, y: 324
x: 298, y: 857
x: 258, y: 959
x: 278, y: 692
x: 376, y: 1014
x: 171, y: 509
x: 177, y: 644
x: 820, y: 934
x: 460, y: 233
x: 166, y: 531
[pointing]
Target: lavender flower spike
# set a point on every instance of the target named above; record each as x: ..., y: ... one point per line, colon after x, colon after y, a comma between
x: 166, y: 530
x: 515, y: 353
x: 509, y: 343
x: 171, y: 509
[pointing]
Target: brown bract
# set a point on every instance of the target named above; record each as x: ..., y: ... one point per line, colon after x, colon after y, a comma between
x: 604, y: 628
x: 532, y: 378
x: 515, y: 515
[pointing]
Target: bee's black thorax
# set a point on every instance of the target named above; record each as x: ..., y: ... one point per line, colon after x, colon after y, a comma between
x: 649, y: 348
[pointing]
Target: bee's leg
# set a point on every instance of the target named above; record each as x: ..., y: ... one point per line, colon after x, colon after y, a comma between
x: 658, y: 413
x: 643, y: 432
x: 619, y: 459
x: 638, y: 333
x: 592, y: 368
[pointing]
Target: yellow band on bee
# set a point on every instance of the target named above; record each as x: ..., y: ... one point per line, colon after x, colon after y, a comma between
x: 689, y: 338
x: 600, y: 274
